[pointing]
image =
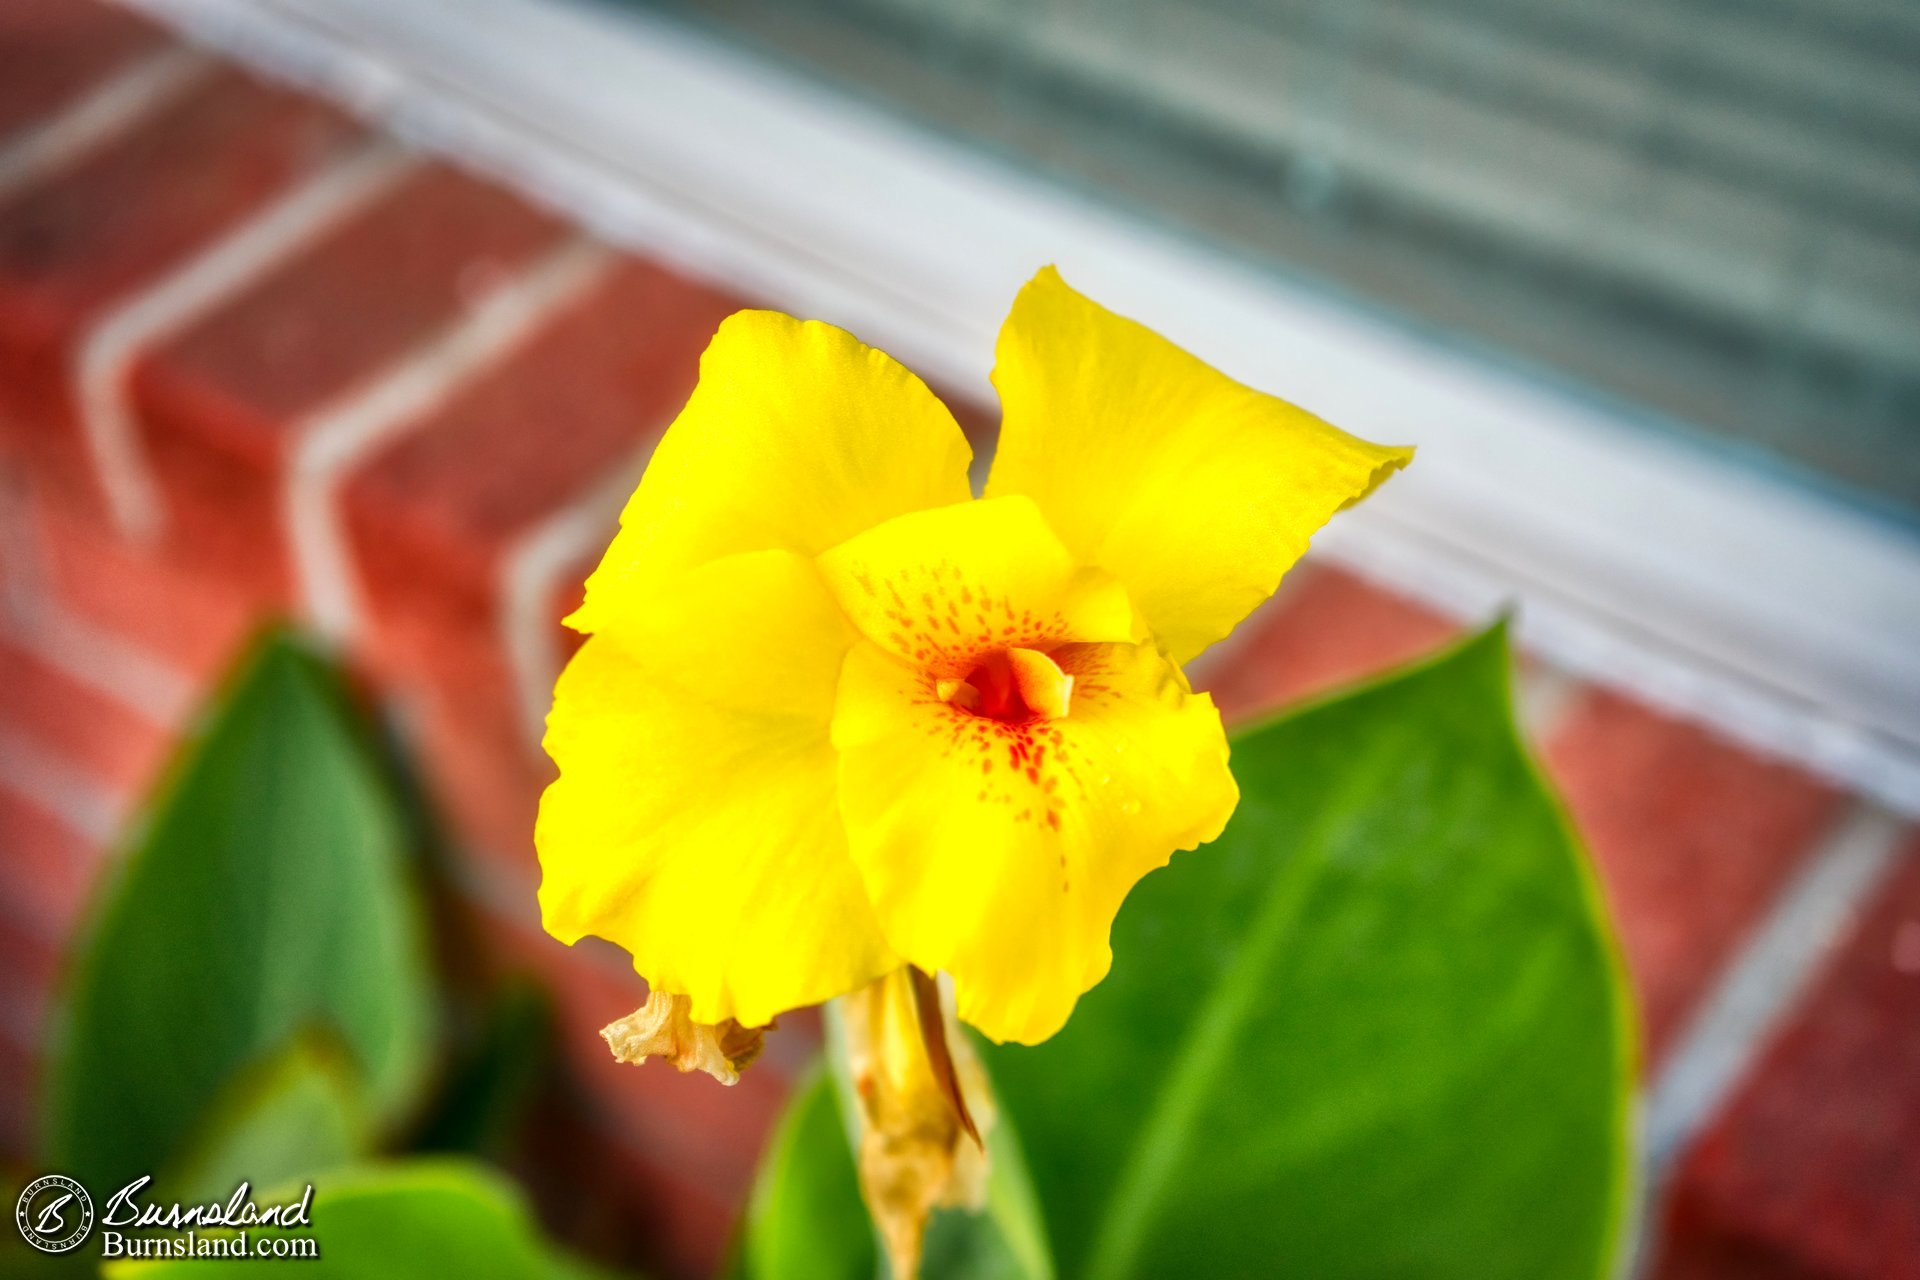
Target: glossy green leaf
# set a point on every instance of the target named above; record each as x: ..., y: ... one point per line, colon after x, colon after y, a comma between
x: 1007, y: 1239
x: 1013, y: 1207
x: 420, y: 1220
x: 266, y: 897
x: 1377, y: 1030
x: 805, y: 1220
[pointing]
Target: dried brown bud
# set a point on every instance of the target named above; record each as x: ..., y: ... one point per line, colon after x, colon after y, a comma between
x: 924, y: 1105
x: 662, y: 1028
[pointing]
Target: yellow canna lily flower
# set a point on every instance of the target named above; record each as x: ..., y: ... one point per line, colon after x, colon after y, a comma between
x: 836, y: 717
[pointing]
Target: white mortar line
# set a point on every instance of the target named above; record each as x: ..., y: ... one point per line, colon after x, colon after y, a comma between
x: 93, y: 656
x: 105, y: 663
x: 112, y: 107
x: 21, y: 570
x: 1760, y: 988
x: 530, y: 574
x: 83, y: 804
x: 333, y: 441
x: 210, y: 277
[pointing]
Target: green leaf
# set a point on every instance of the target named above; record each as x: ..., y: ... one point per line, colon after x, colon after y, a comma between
x: 806, y: 1220
x: 297, y: 1112
x: 267, y: 897
x: 1378, y: 1029
x: 418, y: 1220
x: 1013, y: 1207
x: 493, y: 1078
x: 1006, y: 1241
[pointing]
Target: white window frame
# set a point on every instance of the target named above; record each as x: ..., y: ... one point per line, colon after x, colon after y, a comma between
x: 1772, y: 611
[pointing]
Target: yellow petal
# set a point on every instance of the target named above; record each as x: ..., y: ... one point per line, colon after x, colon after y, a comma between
x: 940, y: 588
x: 695, y: 822
x: 1000, y: 853
x: 1197, y: 492
x: 798, y: 436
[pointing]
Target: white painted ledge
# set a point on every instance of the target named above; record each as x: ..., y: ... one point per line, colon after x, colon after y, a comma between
x: 1781, y: 617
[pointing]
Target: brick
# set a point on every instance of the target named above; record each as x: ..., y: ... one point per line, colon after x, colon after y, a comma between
x: 431, y: 516
x: 1813, y: 1169
x: 688, y: 1227
x: 1326, y: 627
x: 482, y: 772
x: 53, y: 51
x: 32, y: 966
x: 98, y: 735
x: 49, y: 869
x: 1692, y: 836
x: 123, y: 216
x: 19, y: 1084
x: 707, y: 1134
x: 1723, y: 1259
x: 663, y: 1161
x: 481, y: 760
x: 611, y: 1171
x: 195, y: 622
x: 383, y: 281
x: 614, y: 1204
x: 222, y: 402
x: 144, y: 201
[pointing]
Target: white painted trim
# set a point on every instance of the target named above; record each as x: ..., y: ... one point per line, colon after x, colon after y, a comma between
x: 98, y: 116
x: 1782, y: 617
x: 530, y: 574
x: 1543, y: 695
x: 215, y: 274
x: 330, y: 444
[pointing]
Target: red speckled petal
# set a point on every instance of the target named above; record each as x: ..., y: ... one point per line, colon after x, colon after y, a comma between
x: 1000, y: 853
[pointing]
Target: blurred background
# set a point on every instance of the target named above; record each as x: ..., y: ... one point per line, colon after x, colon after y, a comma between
x: 1704, y: 211
x: 367, y: 314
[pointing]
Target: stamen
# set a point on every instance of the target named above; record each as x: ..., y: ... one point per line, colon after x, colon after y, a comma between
x: 959, y: 693
x: 1044, y: 687
x: 1012, y: 685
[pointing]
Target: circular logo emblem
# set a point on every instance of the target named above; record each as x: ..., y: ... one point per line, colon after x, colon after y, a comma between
x: 54, y: 1214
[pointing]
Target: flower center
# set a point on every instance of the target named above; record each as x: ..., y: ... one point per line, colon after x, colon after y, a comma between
x: 1013, y: 686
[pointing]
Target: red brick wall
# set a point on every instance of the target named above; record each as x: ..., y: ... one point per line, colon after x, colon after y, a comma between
x: 252, y: 363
